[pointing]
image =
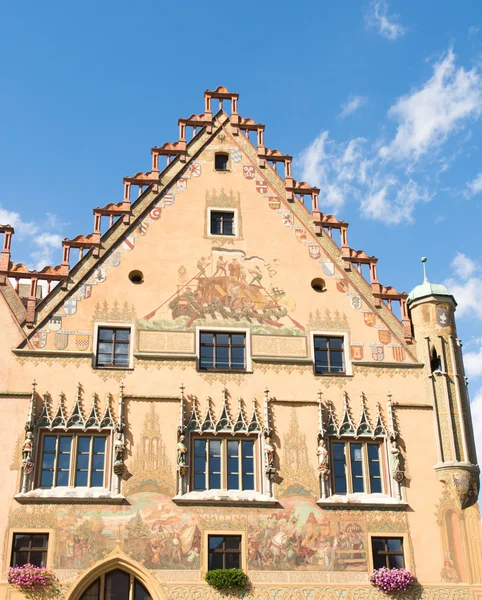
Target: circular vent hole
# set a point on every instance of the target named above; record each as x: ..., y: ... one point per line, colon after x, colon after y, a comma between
x: 318, y: 285
x: 136, y: 277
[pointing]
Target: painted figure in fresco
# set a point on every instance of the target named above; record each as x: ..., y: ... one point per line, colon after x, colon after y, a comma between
x: 257, y: 275
x: 322, y: 453
x: 181, y: 452
x: 220, y: 267
x: 27, y: 448
x: 268, y: 454
x: 394, y: 458
x: 202, y: 265
x: 182, y: 275
x: 449, y: 573
x: 119, y: 448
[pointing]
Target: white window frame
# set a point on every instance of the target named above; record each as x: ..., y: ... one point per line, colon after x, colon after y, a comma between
x: 247, y: 349
x: 346, y: 353
x: 241, y: 437
x: 212, y: 209
x: 111, y: 325
x: 347, y: 442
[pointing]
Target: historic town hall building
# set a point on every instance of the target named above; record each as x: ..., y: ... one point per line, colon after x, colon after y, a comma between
x: 220, y: 381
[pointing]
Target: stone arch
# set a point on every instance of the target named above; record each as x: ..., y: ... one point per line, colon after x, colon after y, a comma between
x: 117, y: 559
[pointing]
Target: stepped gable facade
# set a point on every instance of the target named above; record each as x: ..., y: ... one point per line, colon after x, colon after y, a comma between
x: 214, y: 378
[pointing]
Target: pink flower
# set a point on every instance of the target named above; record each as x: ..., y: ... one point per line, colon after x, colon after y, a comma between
x: 388, y: 580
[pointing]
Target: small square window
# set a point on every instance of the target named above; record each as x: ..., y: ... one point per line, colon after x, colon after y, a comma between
x: 221, y: 162
x: 222, y: 222
x: 388, y: 552
x: 29, y: 548
x: 329, y: 354
x: 225, y: 351
x: 113, y: 347
x: 224, y: 552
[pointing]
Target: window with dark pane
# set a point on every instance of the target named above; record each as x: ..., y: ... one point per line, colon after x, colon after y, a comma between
x: 223, y: 463
x: 224, y: 552
x: 29, y: 548
x: 225, y: 351
x: 116, y: 585
x: 73, y: 461
x: 388, y: 552
x: 222, y: 222
x: 221, y: 161
x: 374, y: 468
x: 113, y: 347
x: 329, y: 354
x: 356, y: 467
x: 339, y: 468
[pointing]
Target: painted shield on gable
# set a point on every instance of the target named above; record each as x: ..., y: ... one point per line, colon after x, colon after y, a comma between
x: 248, y: 172
x: 195, y: 169
x: 328, y: 268
x: 236, y: 155
x: 87, y: 290
x: 82, y: 341
x: 370, y: 319
x: 300, y: 234
x: 39, y: 339
x: 70, y: 307
x: 55, y: 323
x: 129, y: 243
x: 288, y: 219
x: 274, y: 203
x: 143, y: 227
x: 155, y: 213
x: 168, y: 199
x: 378, y: 353
x: 342, y: 286
x: 61, y: 340
x: 398, y: 353
x: 261, y: 186
x: 99, y: 275
x: 314, y: 251
x: 181, y: 184
x: 355, y: 301
x: 114, y: 259
x: 384, y: 336
x: 443, y: 317
x: 357, y: 352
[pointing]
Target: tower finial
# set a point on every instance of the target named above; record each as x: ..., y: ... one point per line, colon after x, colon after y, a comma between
x: 423, y: 260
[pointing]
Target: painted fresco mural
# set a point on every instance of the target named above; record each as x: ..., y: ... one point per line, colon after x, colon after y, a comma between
x: 160, y: 535
x: 228, y: 288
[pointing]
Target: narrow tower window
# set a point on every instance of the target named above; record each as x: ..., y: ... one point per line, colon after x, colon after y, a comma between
x: 435, y: 364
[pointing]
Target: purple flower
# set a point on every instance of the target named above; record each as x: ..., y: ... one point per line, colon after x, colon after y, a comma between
x: 389, y: 580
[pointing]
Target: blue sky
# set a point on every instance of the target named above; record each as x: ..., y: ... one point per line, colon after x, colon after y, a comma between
x: 379, y: 101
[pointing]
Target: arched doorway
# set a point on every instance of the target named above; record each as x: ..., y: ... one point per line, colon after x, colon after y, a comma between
x: 116, y: 585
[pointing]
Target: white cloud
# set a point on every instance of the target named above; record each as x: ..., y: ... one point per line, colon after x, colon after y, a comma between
x: 387, y: 25
x: 352, y: 105
x: 463, y: 266
x: 392, y: 203
x: 428, y: 115
x: 473, y: 363
x: 22, y: 228
x: 475, y: 186
x: 473, y: 31
x: 41, y: 246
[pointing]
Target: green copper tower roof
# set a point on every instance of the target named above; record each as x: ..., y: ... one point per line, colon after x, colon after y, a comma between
x: 427, y: 288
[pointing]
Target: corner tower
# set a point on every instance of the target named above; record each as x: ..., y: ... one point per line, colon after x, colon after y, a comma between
x: 432, y: 311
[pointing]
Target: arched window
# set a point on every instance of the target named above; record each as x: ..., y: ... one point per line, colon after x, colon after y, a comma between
x: 116, y: 585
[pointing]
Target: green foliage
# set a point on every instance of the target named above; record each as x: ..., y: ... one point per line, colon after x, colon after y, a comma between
x: 227, y: 579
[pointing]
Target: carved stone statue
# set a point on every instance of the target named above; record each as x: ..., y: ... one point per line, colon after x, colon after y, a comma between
x: 394, y: 458
x: 119, y: 448
x: 181, y: 452
x: 268, y: 454
x: 27, y: 448
x: 322, y: 453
